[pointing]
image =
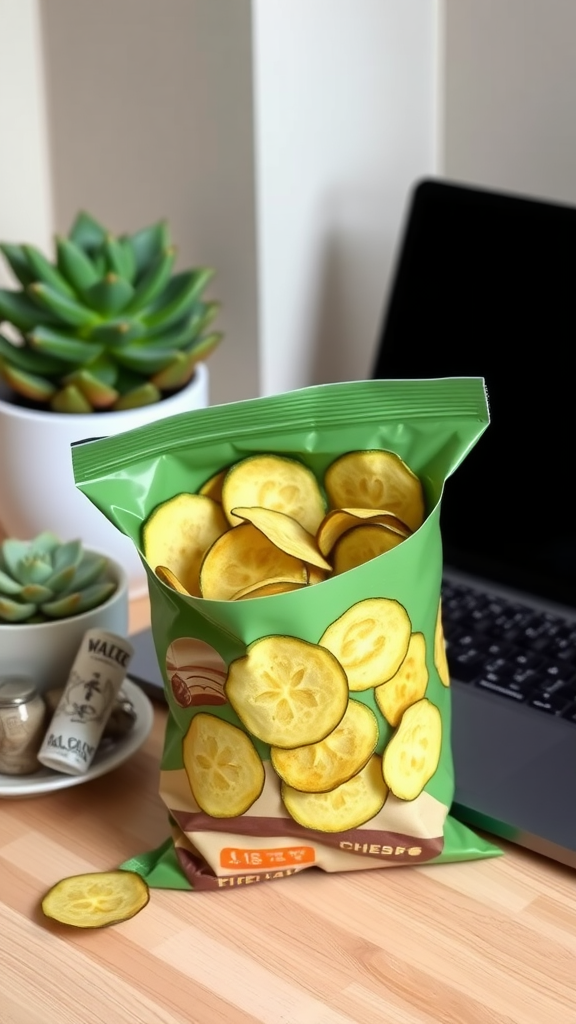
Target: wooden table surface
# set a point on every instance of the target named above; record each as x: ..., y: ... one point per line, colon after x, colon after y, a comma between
x: 490, y: 942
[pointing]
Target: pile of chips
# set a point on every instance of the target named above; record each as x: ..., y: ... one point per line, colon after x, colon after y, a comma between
x: 265, y: 525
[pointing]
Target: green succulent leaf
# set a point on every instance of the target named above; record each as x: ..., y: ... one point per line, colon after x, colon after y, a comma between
x: 87, y: 232
x: 62, y: 607
x: 45, y: 272
x: 153, y: 360
x: 67, y: 310
x: 104, y: 368
x: 8, y: 585
x: 145, y: 394
x: 147, y: 244
x: 14, y: 552
x: 67, y: 554
x: 25, y: 358
x: 34, y: 571
x: 44, y: 543
x: 204, y: 314
x: 175, y: 336
x: 61, y: 580
x: 97, y: 392
x: 117, y: 333
x: 91, y: 568
x: 129, y: 258
x: 181, y: 334
x: 70, y: 399
x: 178, y: 373
x: 110, y: 295
x: 99, y: 260
x: 95, y: 595
x: 145, y: 359
x: 78, y: 602
x: 64, y: 347
x: 177, y: 299
x: 29, y: 385
x: 19, y: 310
x: 14, y: 611
x: 203, y: 347
x: 153, y: 281
x: 127, y: 380
x: 16, y: 260
x: 119, y: 260
x: 35, y: 593
x: 75, y: 265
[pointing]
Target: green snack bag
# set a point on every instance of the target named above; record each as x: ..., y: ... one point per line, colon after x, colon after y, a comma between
x: 294, y: 559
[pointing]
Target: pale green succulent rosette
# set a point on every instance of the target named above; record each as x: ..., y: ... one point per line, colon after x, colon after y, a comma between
x: 43, y: 579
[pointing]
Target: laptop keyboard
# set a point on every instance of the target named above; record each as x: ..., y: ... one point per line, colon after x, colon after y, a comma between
x: 510, y: 649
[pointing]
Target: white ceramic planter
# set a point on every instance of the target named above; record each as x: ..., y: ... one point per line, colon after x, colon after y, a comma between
x: 45, y: 651
x: 37, y: 489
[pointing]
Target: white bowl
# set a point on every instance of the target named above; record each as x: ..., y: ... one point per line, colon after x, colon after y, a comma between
x: 45, y: 651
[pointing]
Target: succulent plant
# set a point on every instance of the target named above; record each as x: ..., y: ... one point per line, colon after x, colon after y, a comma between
x: 43, y: 579
x: 107, y: 325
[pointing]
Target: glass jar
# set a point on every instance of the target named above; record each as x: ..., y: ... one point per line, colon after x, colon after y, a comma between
x: 22, y: 725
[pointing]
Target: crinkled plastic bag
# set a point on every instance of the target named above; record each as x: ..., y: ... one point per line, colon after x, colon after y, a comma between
x: 235, y: 819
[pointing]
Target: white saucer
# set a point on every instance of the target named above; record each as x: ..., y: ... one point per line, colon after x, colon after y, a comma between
x: 47, y: 781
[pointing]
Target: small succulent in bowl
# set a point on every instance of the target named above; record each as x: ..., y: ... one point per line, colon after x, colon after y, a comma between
x: 43, y: 579
x: 106, y: 326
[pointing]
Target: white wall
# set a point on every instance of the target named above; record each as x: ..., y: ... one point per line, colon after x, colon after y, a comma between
x: 346, y: 118
x: 153, y: 109
x: 25, y: 199
x: 510, y: 95
x: 150, y: 116
x: 280, y: 137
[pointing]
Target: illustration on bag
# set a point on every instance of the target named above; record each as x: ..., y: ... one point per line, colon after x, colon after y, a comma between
x: 333, y: 754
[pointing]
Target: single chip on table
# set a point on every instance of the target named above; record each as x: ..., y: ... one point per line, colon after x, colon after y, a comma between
x: 224, y: 770
x: 370, y: 640
x: 276, y: 482
x: 361, y: 545
x: 408, y: 685
x: 413, y: 753
x: 268, y: 588
x: 287, y: 692
x: 178, y: 533
x: 96, y: 899
x: 340, y: 520
x: 244, y: 556
x: 286, y: 533
x: 376, y: 479
x: 319, y: 767
x: 348, y: 806
x: 440, y: 659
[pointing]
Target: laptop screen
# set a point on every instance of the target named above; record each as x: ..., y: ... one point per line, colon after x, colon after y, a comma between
x: 485, y: 285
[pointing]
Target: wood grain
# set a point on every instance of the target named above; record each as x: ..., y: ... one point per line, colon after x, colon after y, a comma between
x: 489, y: 942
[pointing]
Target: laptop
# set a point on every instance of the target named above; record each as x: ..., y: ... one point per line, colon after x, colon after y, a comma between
x: 485, y: 285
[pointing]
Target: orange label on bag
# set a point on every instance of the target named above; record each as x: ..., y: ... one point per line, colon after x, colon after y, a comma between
x: 236, y: 858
